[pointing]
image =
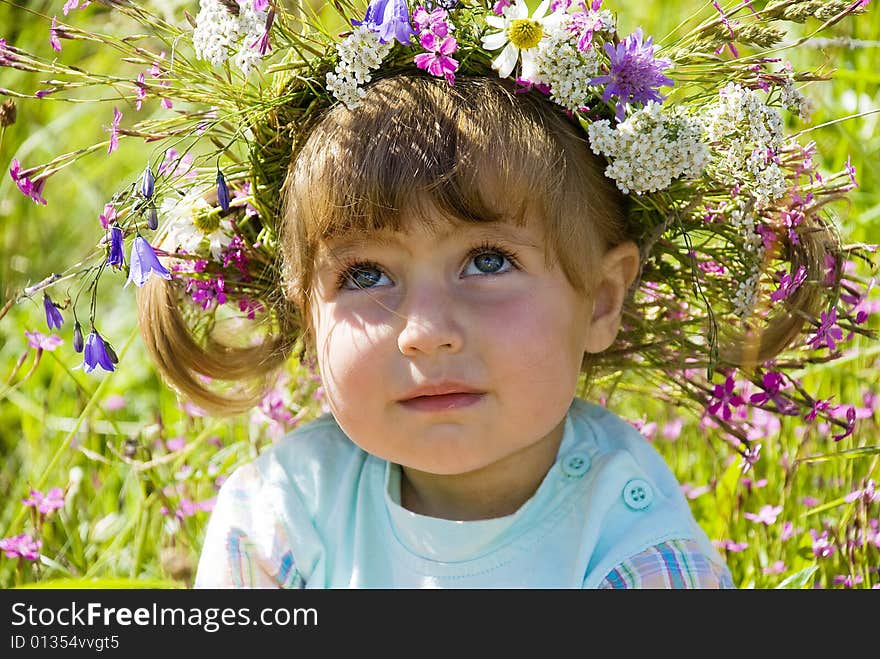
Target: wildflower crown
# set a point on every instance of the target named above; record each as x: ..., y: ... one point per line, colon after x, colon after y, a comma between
x: 740, y: 258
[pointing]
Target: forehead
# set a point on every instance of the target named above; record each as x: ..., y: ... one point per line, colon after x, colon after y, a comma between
x: 528, y: 235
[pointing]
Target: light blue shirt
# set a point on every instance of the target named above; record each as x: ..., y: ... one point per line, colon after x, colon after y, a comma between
x: 316, y: 510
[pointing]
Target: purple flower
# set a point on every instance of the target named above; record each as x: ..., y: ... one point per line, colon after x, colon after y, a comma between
x: 390, y: 18
x: 767, y: 515
x: 850, y: 425
x: 143, y: 262
x: 78, y: 344
x: 435, y: 22
x: 499, y: 7
x: 108, y: 216
x: 725, y: 398
x: 54, y: 41
x: 21, y: 546
x: 788, y: 284
x: 828, y: 331
x: 438, y: 63
x: 45, y: 503
x: 115, y: 258
x: 261, y: 5
x: 148, y: 183
x: 851, y: 171
x: 822, y: 545
x: 222, y: 191
x: 54, y: 319
x: 33, y: 189
x: 584, y: 23
x: 634, y: 73
x: 870, y: 494
x: 96, y: 354
x: 40, y: 341
x: 114, y: 131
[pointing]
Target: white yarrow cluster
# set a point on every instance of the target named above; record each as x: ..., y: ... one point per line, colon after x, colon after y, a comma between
x: 650, y: 149
x: 753, y: 245
x: 218, y: 32
x: 794, y: 101
x: 749, y: 134
x: 359, y: 54
x: 566, y: 70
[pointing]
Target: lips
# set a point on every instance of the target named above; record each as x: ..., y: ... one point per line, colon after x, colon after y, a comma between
x: 442, y: 397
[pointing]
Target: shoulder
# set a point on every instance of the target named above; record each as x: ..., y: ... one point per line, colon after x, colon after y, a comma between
x: 643, y: 519
x: 675, y: 564
x: 617, y: 446
x: 307, y: 463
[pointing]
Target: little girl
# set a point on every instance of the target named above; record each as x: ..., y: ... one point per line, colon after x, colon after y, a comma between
x: 455, y: 254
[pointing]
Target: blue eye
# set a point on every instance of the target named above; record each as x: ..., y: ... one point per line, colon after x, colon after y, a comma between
x: 361, y: 275
x: 488, y: 261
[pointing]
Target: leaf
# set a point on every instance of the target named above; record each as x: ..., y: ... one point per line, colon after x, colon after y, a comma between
x: 799, y: 579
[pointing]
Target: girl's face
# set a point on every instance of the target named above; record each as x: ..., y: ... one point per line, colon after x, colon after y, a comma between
x: 451, y: 350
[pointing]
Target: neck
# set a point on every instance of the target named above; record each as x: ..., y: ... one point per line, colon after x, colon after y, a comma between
x: 496, y: 490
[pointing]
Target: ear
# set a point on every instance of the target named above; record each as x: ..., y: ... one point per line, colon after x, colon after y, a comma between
x: 618, y: 270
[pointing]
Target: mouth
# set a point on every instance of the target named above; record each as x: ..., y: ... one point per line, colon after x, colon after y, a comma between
x: 442, y: 402
x: 445, y: 396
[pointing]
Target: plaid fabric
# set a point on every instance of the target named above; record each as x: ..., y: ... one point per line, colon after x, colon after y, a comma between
x: 673, y: 564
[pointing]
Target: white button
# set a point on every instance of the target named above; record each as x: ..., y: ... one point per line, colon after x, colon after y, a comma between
x: 576, y: 464
x: 638, y: 494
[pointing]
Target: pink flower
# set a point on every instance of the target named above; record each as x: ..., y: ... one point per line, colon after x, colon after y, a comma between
x: 21, y: 546
x: 850, y: 425
x: 40, y: 341
x: 499, y: 7
x: 70, y: 5
x: 822, y: 546
x: 33, y: 189
x: 788, y: 284
x: 45, y: 504
x: 54, y: 41
x: 730, y: 545
x: 114, y: 131
x: 767, y: 515
x: 724, y: 397
x: 108, y: 216
x: 776, y: 568
x: 828, y: 331
x: 869, y: 494
x: 141, y: 92
x: 438, y: 63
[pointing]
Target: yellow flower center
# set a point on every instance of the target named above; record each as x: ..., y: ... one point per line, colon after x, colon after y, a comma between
x: 206, y: 221
x: 525, y: 33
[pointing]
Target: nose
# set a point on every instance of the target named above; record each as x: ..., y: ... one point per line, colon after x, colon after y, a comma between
x: 430, y: 324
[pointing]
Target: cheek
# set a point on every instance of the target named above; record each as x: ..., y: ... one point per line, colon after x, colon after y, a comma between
x: 350, y: 348
x: 538, y: 334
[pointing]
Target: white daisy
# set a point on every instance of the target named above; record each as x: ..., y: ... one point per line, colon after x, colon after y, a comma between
x: 519, y: 34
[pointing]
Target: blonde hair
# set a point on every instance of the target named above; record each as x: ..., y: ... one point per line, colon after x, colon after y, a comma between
x: 480, y: 151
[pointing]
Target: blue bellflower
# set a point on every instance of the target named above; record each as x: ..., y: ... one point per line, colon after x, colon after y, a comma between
x: 390, y: 18
x: 148, y: 183
x: 143, y: 262
x: 222, y: 192
x: 95, y: 354
x: 54, y: 319
x: 115, y: 257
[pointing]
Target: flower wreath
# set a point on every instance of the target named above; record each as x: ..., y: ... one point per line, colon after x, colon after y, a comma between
x: 729, y: 208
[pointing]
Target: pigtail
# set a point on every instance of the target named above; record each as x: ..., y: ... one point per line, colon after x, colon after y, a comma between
x: 200, y: 367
